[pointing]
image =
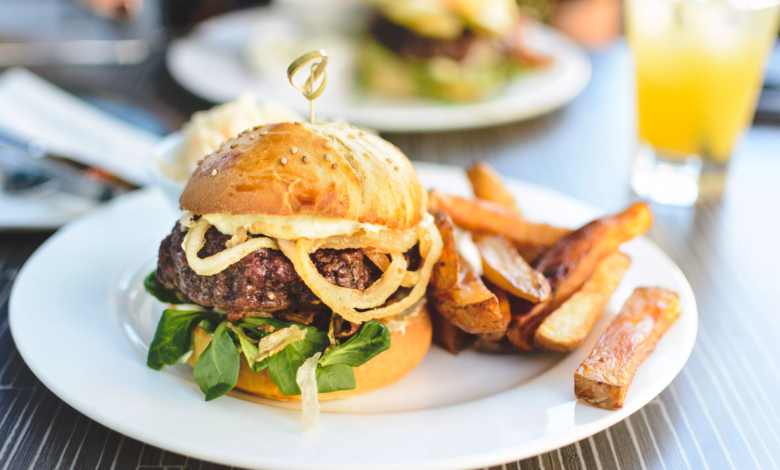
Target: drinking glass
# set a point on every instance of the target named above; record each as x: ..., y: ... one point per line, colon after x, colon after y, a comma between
x: 699, y: 70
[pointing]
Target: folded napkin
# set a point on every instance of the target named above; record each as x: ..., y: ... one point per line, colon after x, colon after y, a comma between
x: 34, y: 108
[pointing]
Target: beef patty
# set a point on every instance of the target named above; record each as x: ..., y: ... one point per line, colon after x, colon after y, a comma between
x: 408, y: 44
x: 264, y: 280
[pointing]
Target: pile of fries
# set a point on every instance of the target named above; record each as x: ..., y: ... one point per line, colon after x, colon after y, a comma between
x: 542, y: 287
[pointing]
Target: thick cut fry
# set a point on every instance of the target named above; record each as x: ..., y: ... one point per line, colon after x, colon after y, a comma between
x: 522, y: 326
x: 492, y: 346
x: 603, y: 378
x: 487, y: 185
x: 503, y: 307
x: 531, y: 253
x: 572, y: 261
x: 446, y: 272
x: 448, y: 336
x: 508, y: 270
x: 569, y: 325
x: 471, y: 307
x: 457, y: 293
x: 477, y: 215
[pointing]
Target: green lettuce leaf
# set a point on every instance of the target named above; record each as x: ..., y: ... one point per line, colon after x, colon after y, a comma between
x: 335, y: 378
x: 372, y: 339
x: 167, y: 296
x: 217, y: 369
x: 283, y: 365
x: 250, y: 352
x: 173, y: 338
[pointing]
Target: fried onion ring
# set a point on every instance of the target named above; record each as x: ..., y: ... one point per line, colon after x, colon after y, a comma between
x: 195, y: 239
x: 343, y: 301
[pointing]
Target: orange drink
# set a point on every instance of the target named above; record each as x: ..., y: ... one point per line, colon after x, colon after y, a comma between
x: 699, y: 69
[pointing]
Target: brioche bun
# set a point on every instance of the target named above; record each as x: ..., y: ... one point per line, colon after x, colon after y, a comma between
x: 326, y: 169
x: 407, y: 349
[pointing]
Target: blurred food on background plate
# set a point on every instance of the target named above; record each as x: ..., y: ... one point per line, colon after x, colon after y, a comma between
x: 455, y: 51
x: 207, y: 130
x: 292, y: 28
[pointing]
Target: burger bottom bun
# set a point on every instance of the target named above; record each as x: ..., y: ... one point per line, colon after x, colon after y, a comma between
x: 407, y: 349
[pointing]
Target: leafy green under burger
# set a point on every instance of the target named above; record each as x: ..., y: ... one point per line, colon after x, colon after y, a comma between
x: 216, y: 371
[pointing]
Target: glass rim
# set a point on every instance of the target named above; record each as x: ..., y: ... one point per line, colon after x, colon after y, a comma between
x: 739, y: 5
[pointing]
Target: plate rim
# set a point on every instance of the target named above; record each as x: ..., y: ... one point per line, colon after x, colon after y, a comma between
x: 474, y: 460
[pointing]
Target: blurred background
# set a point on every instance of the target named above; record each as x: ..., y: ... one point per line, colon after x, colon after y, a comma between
x: 405, y: 66
x: 396, y: 67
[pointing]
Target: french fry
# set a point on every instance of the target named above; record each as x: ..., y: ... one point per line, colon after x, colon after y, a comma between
x: 487, y: 185
x: 530, y: 253
x: 471, y: 307
x: 503, y: 302
x: 604, y: 377
x: 505, y: 268
x: 569, y: 263
x: 477, y: 215
x: 503, y: 307
x: 572, y: 261
x: 446, y: 272
x: 457, y: 293
x: 569, y: 325
x: 520, y: 331
x: 492, y: 346
x: 448, y: 336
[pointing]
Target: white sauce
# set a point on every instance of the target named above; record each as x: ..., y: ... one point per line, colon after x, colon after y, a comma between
x: 289, y: 227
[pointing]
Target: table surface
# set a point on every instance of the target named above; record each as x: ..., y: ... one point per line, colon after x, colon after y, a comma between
x: 718, y: 413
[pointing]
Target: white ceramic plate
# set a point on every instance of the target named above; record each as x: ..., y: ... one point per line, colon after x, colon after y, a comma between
x: 41, y: 209
x: 86, y: 338
x: 214, y: 63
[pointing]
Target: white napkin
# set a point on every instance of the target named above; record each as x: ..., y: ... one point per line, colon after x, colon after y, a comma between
x: 34, y: 108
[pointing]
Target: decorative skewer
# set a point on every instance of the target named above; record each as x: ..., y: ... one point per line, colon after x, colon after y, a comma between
x: 320, y: 61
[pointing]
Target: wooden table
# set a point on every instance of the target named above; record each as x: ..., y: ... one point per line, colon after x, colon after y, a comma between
x: 720, y: 412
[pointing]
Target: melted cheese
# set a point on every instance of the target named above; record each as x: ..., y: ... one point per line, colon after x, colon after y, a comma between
x: 289, y: 228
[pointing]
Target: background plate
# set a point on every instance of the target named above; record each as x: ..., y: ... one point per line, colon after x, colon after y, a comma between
x: 84, y: 340
x: 215, y: 63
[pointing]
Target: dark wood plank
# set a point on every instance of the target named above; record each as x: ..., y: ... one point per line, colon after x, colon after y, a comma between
x: 570, y: 457
x: 551, y: 460
x: 587, y: 455
x: 170, y: 459
x: 530, y: 464
x: 76, y: 439
x: 644, y: 439
x: 667, y: 438
x: 110, y: 449
x: 13, y: 423
x: 37, y: 429
x: 604, y: 449
x: 93, y: 446
x: 129, y: 453
x: 626, y: 451
x: 150, y: 456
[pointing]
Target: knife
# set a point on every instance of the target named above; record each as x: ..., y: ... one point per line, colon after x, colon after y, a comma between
x: 33, y: 157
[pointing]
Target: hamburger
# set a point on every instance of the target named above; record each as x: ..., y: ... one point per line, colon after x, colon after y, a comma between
x: 300, y: 267
x: 460, y: 51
